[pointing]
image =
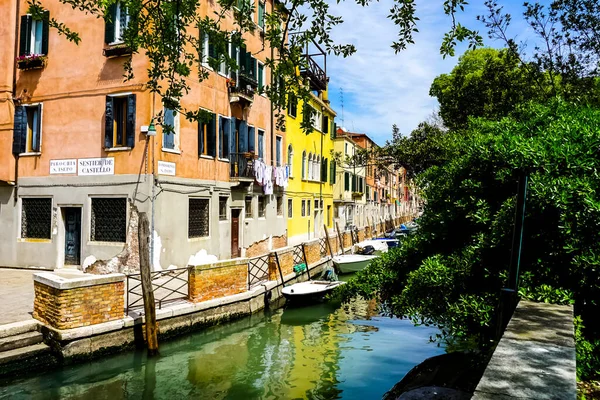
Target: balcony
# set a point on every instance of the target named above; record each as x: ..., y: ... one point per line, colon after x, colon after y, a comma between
x: 311, y: 70
x: 242, y: 167
x: 241, y: 94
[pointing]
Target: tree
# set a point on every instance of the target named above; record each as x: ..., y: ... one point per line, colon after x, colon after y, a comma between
x: 485, y: 83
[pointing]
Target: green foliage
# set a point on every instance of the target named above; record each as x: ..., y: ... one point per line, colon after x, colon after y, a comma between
x: 588, y: 354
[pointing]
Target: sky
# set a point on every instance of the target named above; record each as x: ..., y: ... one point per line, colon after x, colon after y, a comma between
x: 381, y: 88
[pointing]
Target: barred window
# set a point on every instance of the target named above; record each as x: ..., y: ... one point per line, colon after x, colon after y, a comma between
x: 248, y: 206
x: 262, y: 206
x: 290, y: 208
x: 36, y: 218
x: 198, y: 218
x: 109, y: 219
x: 222, y: 208
x: 304, y: 208
x: 279, y: 205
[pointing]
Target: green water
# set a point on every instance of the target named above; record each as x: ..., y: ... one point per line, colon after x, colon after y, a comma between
x: 325, y: 351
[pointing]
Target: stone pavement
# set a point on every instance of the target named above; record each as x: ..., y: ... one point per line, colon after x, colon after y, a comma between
x: 16, y: 295
x: 535, y: 358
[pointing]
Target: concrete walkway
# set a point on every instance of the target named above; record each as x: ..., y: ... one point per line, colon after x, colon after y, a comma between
x: 535, y: 358
x: 16, y: 295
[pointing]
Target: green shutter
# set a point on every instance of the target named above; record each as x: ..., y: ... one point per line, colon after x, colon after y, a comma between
x: 25, y: 39
x: 211, y: 136
x: 20, y: 130
x: 353, y: 183
x: 332, y: 172
x: 261, y: 14
x: 109, y: 24
x: 325, y: 124
x: 324, y: 170
x: 108, y: 123
x: 45, y: 32
x: 36, y: 138
x: 346, y: 181
x: 201, y: 144
x: 130, y: 121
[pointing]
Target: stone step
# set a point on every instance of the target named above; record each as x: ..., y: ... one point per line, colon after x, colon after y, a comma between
x: 21, y: 340
x: 17, y: 328
x: 23, y: 353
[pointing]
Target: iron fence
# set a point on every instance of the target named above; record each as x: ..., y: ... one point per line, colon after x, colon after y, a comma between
x: 258, y: 270
x: 168, y: 286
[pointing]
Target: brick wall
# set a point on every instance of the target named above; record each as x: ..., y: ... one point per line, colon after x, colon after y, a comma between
x: 77, y: 307
x: 220, y: 279
x: 361, y: 234
x: 313, y: 251
x: 368, y: 234
x: 262, y: 247
x: 286, y: 262
x: 347, y: 240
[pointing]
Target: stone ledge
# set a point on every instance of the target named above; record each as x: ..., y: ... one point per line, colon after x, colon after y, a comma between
x: 64, y: 281
x: 219, y: 264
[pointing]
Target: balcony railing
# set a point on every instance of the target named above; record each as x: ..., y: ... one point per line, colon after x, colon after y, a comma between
x: 241, y: 93
x: 242, y: 165
x: 315, y: 74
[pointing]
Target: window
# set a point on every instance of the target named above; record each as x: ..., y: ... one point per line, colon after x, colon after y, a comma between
x: 261, y: 14
x: 346, y: 148
x: 310, y: 166
x: 290, y: 208
x: 325, y: 128
x: 198, y: 218
x: 36, y: 218
x: 34, y: 35
x: 303, y: 208
x: 332, y: 172
x: 262, y: 206
x: 117, y: 22
x: 324, y: 165
x: 307, y: 208
x: 303, y: 165
x: 329, y: 216
x: 207, y: 136
x: 223, y: 208
x: 261, y: 76
x: 346, y: 181
x: 278, y: 149
x: 316, y: 204
x: 292, y: 106
x: 290, y: 160
x: 248, y: 207
x: 224, y: 134
x: 354, y: 178
x: 261, y: 144
x: 317, y: 168
x: 119, y: 128
x: 109, y: 219
x: 170, y: 129
x: 27, y: 134
x: 316, y: 119
x: 279, y: 205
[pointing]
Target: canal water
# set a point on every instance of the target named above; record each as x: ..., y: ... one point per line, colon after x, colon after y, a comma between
x: 325, y: 351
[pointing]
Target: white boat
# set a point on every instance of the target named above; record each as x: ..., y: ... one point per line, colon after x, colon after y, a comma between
x: 309, y: 291
x: 379, y: 246
x: 349, y: 263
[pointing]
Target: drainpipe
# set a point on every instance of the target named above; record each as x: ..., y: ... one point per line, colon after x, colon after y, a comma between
x: 320, y: 178
x: 153, y: 191
x: 14, y: 92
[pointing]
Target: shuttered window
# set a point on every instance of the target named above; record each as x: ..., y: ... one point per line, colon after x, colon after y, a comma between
x: 332, y: 172
x: 119, y: 128
x: 224, y: 136
x: 261, y: 14
x: 292, y: 105
x: 207, y: 136
x: 278, y: 150
x: 261, y: 144
x: 261, y: 76
x: 325, y: 124
x: 27, y: 134
x: 170, y: 129
x: 346, y: 181
x: 34, y: 35
x: 117, y: 20
x: 324, y: 170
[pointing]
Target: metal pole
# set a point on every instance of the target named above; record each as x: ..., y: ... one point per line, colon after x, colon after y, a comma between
x: 306, y: 262
x: 279, y: 268
x: 515, y: 255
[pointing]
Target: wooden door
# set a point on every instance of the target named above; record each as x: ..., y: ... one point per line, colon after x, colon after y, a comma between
x: 72, y: 235
x: 235, y: 232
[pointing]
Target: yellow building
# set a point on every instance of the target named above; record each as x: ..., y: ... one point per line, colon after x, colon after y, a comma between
x: 312, y: 172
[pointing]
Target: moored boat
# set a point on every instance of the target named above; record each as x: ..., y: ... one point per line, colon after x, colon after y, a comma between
x: 309, y: 291
x: 349, y: 263
x: 379, y: 247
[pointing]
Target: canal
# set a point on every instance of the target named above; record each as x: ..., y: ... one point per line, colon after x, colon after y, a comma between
x: 325, y: 351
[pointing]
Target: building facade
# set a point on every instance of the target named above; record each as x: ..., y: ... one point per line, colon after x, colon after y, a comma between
x: 78, y: 157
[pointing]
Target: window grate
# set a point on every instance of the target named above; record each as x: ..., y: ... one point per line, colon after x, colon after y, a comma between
x: 109, y: 220
x: 198, y: 218
x: 36, y: 218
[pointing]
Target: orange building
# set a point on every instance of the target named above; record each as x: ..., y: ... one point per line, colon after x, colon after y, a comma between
x: 76, y: 154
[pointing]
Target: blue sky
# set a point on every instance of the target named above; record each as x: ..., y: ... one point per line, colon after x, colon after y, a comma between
x: 382, y: 88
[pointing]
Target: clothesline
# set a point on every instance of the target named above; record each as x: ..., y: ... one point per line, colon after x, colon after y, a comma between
x: 267, y: 175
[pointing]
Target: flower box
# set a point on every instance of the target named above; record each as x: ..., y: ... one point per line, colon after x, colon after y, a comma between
x: 117, y: 50
x: 33, y: 61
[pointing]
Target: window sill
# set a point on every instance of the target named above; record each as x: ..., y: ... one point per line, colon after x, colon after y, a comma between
x: 291, y: 116
x: 172, y: 151
x: 34, y: 240
x: 223, y: 159
x: 118, y: 149
x: 198, y: 239
x: 31, y: 154
x: 94, y: 243
x: 207, y: 157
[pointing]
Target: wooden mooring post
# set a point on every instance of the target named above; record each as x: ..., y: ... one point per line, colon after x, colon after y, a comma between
x: 327, y: 238
x: 147, y: 292
x: 337, y: 228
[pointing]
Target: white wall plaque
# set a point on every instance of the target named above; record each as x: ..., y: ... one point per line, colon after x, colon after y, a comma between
x: 63, y: 166
x: 96, y: 166
x: 166, y: 168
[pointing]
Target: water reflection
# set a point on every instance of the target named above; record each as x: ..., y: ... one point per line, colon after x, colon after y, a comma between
x: 325, y: 351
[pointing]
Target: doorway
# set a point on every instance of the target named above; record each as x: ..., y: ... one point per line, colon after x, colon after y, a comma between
x: 72, y: 220
x: 235, y: 232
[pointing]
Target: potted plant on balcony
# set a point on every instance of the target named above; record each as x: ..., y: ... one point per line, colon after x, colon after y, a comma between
x: 116, y: 50
x: 230, y: 83
x: 31, y: 61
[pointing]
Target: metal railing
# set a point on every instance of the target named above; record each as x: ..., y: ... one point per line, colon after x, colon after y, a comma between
x: 258, y: 270
x: 314, y: 72
x: 168, y: 286
x: 241, y: 165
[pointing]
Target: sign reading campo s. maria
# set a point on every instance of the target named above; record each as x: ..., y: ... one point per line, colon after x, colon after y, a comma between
x: 84, y: 166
